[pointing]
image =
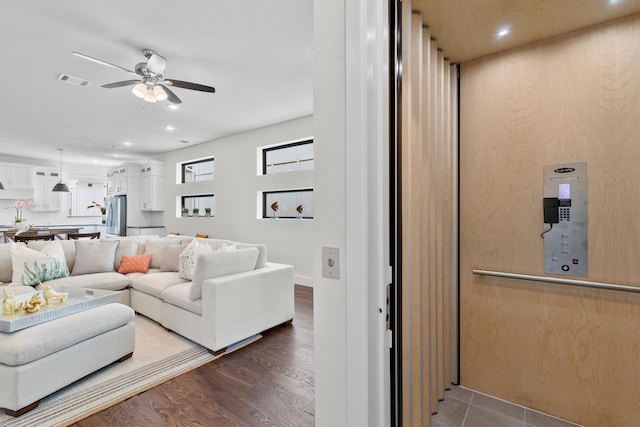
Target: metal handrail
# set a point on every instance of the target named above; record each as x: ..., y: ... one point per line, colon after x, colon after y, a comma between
x: 572, y: 282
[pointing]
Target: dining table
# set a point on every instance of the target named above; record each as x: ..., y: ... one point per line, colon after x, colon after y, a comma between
x: 58, y: 232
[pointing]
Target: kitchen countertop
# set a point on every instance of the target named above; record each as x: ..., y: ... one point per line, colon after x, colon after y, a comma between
x: 52, y: 226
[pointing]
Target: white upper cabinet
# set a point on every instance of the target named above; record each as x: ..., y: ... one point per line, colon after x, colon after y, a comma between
x: 151, y: 181
x: 43, y: 181
x: 16, y: 177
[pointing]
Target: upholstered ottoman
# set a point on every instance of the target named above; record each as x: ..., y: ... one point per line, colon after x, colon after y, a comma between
x: 41, y: 359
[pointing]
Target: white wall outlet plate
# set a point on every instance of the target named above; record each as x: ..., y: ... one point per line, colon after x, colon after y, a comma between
x: 331, y: 263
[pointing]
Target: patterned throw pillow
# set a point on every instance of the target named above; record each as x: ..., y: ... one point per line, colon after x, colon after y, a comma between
x: 135, y: 264
x: 189, y: 257
x: 31, y: 267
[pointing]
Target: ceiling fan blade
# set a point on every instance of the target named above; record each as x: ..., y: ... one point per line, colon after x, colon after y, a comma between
x: 171, y: 97
x: 101, y: 62
x: 120, y: 84
x: 189, y: 85
x: 156, y: 64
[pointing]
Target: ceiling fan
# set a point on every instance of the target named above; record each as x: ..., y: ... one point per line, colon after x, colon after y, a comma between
x: 150, y: 84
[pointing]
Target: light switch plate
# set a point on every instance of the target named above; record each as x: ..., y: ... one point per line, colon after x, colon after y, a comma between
x: 331, y: 263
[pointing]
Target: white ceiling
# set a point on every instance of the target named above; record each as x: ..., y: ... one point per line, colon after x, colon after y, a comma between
x: 256, y: 53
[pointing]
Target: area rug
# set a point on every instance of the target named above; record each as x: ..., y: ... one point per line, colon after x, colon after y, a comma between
x: 159, y: 356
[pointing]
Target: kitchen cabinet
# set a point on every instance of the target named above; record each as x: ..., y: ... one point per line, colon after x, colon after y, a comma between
x: 120, y: 177
x: 16, y: 176
x: 43, y: 181
x: 151, y: 182
x: 146, y: 231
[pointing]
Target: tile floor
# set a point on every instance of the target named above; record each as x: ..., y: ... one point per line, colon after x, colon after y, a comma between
x: 465, y: 408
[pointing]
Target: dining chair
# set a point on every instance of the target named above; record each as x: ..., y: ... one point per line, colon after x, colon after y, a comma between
x: 89, y: 235
x: 28, y: 237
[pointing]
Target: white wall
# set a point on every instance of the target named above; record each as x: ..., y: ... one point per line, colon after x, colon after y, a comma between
x: 351, y: 206
x: 236, y: 185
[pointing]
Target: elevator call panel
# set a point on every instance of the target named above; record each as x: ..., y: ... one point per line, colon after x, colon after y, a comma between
x: 565, y: 219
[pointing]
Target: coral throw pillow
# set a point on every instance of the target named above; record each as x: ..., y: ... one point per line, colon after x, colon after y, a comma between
x: 135, y: 263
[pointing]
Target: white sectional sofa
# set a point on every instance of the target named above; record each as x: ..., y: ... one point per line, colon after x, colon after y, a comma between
x: 226, y: 292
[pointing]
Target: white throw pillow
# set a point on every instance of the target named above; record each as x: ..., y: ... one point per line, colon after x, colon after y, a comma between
x: 221, y: 263
x: 171, y: 258
x: 128, y: 247
x: 189, y: 257
x: 228, y: 247
x: 31, y: 267
x: 156, y: 247
x: 94, y: 257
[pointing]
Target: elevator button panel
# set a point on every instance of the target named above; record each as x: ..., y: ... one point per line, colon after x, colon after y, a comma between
x: 565, y: 236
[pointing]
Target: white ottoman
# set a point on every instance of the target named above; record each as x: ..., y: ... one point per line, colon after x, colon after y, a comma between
x: 37, y: 361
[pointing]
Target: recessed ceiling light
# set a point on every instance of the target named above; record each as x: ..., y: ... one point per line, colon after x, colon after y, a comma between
x: 169, y: 127
x: 127, y: 143
x: 503, y: 32
x: 172, y: 106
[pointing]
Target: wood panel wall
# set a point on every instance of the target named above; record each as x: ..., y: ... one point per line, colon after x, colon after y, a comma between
x: 429, y: 153
x: 571, y: 352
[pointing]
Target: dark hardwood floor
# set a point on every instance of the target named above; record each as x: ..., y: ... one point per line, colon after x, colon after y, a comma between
x: 270, y: 382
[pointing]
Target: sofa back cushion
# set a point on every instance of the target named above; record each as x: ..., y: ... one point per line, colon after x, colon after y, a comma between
x: 68, y: 247
x: 221, y: 263
x: 171, y: 258
x: 5, y: 262
x: 127, y: 247
x: 217, y: 244
x: 156, y: 248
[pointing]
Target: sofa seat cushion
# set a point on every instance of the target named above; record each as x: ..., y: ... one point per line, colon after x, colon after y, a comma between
x: 110, y: 281
x: 154, y: 284
x: 178, y: 295
x: 36, y: 342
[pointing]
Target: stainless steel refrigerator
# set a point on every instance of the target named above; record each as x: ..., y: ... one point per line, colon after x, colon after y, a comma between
x: 117, y: 215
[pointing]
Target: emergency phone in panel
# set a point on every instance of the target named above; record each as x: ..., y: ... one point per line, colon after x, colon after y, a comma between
x: 565, y: 219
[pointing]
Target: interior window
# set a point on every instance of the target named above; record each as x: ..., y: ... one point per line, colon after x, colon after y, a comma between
x: 197, y: 170
x: 288, y: 157
x: 288, y: 204
x: 200, y: 202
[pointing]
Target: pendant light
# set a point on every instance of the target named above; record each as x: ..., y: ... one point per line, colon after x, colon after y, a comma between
x: 1, y: 186
x: 60, y: 186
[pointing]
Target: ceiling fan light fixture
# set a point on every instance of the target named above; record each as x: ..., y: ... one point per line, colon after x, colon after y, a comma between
x: 159, y: 93
x: 149, y: 96
x: 139, y: 90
